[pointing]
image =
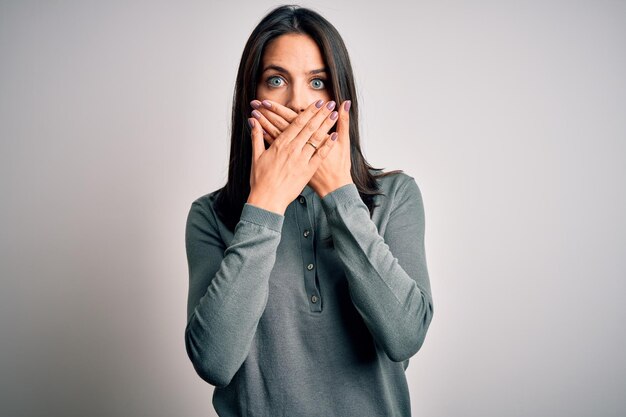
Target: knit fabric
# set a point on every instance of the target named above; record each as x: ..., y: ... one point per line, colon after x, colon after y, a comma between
x: 283, y: 324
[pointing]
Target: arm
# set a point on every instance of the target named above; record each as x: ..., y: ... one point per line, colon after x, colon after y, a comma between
x: 228, y: 288
x: 387, y: 277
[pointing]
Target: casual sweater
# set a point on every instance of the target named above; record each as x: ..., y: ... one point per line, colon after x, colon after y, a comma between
x: 283, y: 324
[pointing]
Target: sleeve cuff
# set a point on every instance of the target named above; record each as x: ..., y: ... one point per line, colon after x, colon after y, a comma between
x: 262, y: 217
x: 342, y: 195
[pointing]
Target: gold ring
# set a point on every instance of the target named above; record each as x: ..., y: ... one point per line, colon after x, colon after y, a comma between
x: 310, y: 143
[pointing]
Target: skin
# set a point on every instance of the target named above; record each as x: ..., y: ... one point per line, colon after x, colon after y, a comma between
x: 283, y: 94
x: 279, y: 173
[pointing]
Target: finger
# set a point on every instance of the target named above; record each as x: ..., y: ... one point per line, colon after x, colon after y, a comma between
x: 319, y: 136
x: 312, y: 126
x: 268, y: 138
x: 321, y: 154
x: 266, y: 124
x: 257, y: 139
x: 278, y: 121
x: 343, y: 125
x: 299, y: 123
x: 278, y: 109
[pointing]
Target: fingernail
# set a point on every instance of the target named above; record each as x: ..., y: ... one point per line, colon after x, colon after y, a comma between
x: 334, y: 136
x: 346, y: 105
x: 267, y: 104
x: 256, y: 114
x: 319, y: 103
x: 333, y: 115
x: 330, y: 105
x: 255, y: 104
x: 251, y: 123
x: 264, y: 132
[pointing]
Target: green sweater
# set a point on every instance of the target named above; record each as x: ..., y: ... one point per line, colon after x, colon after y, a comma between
x: 284, y: 325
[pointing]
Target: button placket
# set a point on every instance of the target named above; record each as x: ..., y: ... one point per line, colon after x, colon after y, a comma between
x: 308, y: 256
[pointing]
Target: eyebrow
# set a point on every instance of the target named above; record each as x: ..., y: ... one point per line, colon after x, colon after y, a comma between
x: 281, y: 69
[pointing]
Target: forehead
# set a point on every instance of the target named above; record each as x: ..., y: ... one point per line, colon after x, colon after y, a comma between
x: 293, y: 51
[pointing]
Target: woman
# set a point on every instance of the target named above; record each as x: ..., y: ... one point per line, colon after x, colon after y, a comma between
x: 308, y: 289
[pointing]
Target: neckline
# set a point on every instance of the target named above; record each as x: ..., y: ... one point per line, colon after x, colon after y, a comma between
x: 307, y: 191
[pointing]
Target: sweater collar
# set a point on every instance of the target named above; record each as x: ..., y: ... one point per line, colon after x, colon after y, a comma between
x: 307, y: 191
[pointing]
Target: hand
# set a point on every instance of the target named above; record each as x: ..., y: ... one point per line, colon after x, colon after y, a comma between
x: 334, y: 171
x: 280, y: 172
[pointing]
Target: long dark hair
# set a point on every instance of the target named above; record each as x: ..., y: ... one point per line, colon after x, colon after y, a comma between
x: 283, y: 20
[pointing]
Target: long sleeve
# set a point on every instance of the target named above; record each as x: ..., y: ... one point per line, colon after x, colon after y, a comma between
x: 228, y: 287
x: 387, y: 275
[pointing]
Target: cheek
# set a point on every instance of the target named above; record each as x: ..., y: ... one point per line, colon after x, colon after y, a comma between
x: 323, y: 94
x: 263, y: 88
x: 280, y: 95
x: 263, y: 93
x: 259, y: 93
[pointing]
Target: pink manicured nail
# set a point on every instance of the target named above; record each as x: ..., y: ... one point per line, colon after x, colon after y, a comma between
x: 334, y: 136
x: 251, y: 123
x: 346, y: 105
x: 256, y: 114
x: 330, y: 105
x: 255, y: 104
x: 267, y: 104
x: 319, y: 103
x: 333, y: 115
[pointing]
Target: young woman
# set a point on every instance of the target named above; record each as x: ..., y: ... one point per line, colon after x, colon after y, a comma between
x: 308, y: 284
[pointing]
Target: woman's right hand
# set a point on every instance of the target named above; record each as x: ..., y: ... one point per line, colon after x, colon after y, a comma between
x: 279, y: 173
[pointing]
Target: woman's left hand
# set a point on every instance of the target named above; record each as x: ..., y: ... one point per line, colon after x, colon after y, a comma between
x: 334, y: 172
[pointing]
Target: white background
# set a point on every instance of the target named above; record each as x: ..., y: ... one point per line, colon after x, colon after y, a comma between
x: 509, y: 114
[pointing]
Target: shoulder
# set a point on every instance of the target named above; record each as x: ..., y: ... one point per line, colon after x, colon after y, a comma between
x: 397, y: 185
x: 401, y: 196
x: 204, y: 205
x: 207, y: 200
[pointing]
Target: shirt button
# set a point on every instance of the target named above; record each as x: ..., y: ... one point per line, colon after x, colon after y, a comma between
x: 314, y: 298
x: 302, y: 200
x: 309, y: 266
x: 306, y: 233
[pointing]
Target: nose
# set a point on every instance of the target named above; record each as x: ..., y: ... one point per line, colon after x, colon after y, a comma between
x: 299, y: 99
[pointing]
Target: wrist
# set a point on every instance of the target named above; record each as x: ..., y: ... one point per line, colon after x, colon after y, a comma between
x: 266, y: 202
x: 326, y: 189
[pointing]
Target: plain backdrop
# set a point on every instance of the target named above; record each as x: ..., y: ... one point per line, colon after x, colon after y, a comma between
x: 114, y: 117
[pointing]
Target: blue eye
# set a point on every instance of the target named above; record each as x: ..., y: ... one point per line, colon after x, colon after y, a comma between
x: 319, y: 83
x: 274, y: 81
